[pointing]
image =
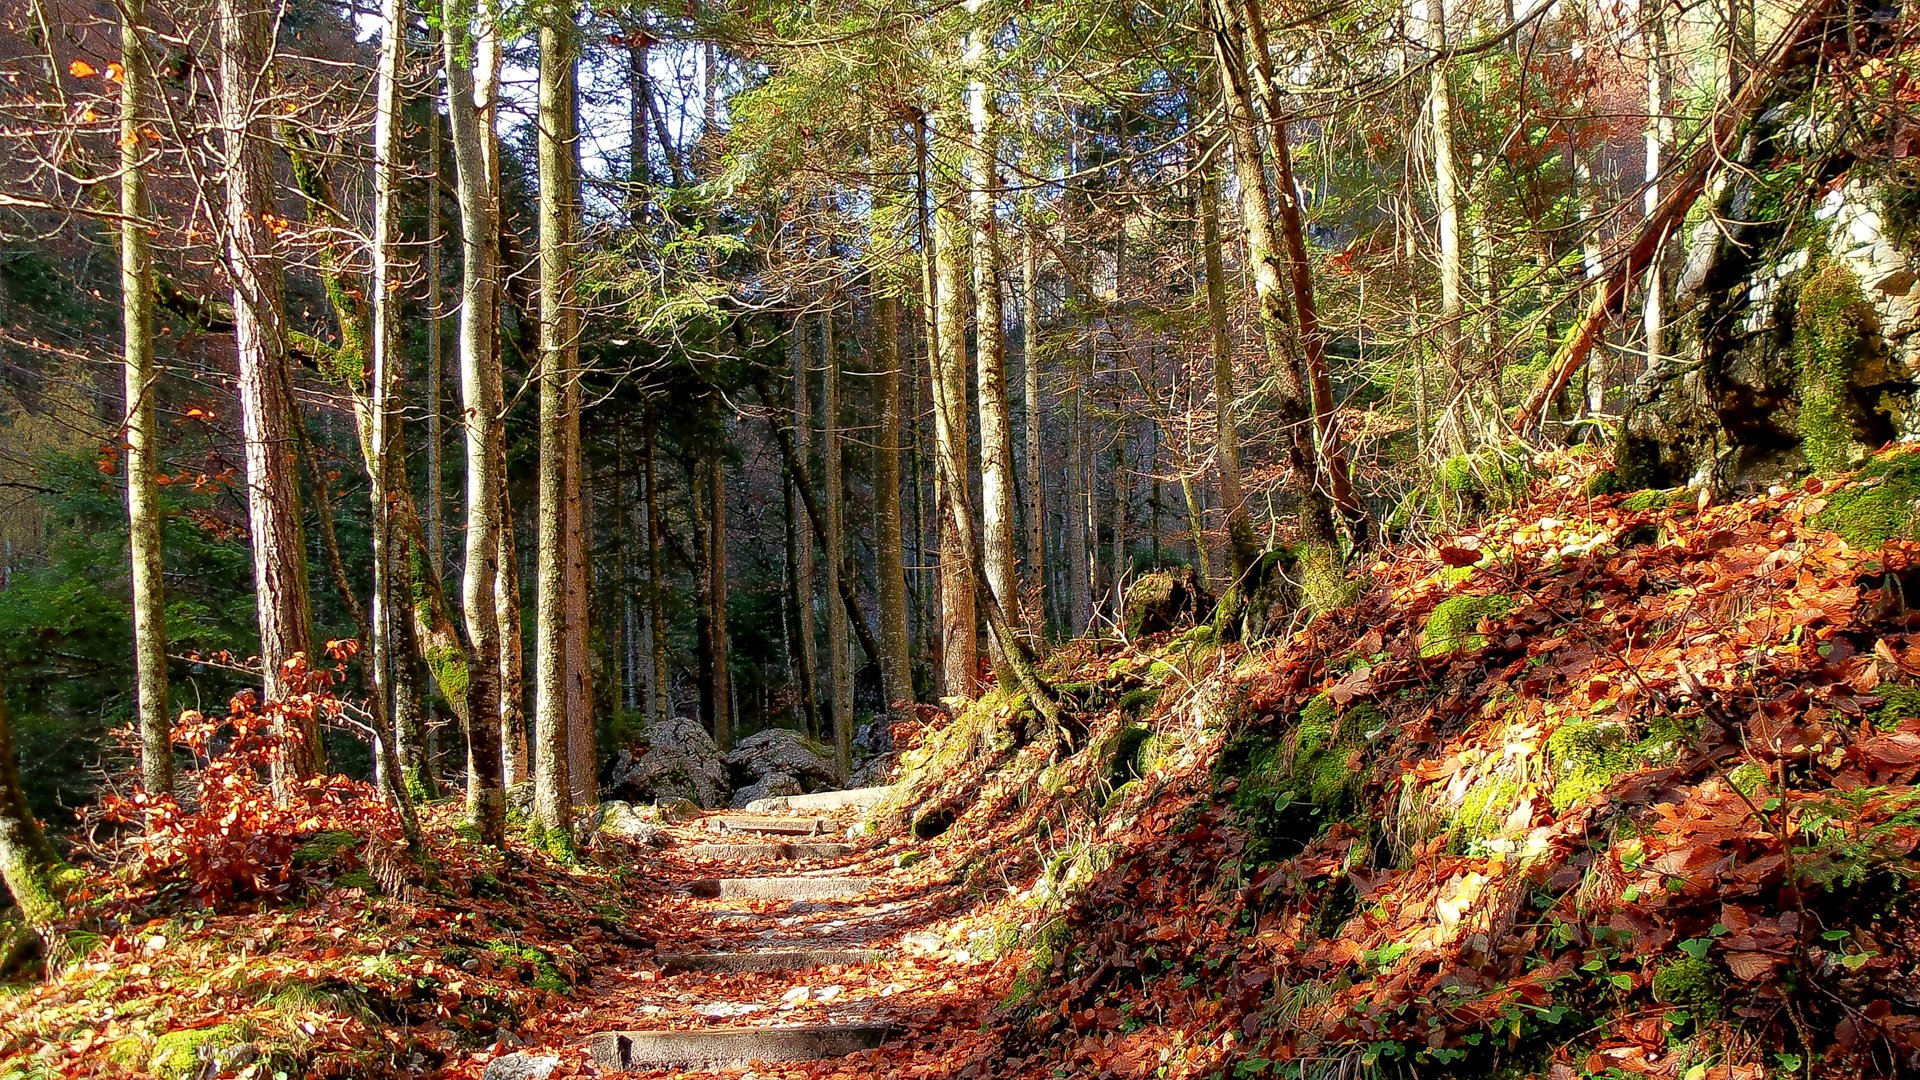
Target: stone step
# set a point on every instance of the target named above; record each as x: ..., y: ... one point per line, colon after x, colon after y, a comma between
x: 761, y: 960
x: 782, y: 888
x: 727, y: 1048
x: 769, y: 852
x: 863, y: 798
x: 779, y: 826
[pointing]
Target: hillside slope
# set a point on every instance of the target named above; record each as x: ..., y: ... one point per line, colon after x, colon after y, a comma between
x: 1621, y: 785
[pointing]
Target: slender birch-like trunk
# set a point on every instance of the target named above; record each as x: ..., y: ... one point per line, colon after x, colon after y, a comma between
x: 479, y: 363
x: 1653, y: 322
x: 143, y: 433
x: 715, y: 466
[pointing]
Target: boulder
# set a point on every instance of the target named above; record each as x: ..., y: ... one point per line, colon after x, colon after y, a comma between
x: 1164, y: 600
x: 640, y: 824
x: 768, y: 786
x: 779, y: 752
x: 679, y: 761
x: 873, y: 772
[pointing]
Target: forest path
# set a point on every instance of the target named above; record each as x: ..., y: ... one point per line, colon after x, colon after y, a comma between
x: 790, y: 945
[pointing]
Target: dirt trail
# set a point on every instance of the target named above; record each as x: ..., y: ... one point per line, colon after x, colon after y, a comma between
x: 837, y: 962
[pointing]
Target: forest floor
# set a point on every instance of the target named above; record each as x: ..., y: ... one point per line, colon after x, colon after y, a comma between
x: 1615, y: 785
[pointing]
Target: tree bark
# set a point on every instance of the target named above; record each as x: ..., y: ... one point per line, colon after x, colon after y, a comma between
x: 1313, y: 344
x: 143, y: 433
x: 1446, y: 188
x: 832, y: 468
x: 889, y: 536
x: 656, y: 594
x: 803, y: 577
x: 959, y: 641
x: 479, y: 362
x: 1292, y: 408
x: 1653, y: 323
x: 715, y: 465
x: 1030, y: 377
x: 552, y: 780
x: 1243, y: 551
x: 990, y: 354
x: 29, y: 866
x: 265, y: 384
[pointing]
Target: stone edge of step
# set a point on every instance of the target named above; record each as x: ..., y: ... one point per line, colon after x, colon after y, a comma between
x: 710, y: 1048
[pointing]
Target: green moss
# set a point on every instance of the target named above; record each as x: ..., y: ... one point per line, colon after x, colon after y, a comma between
x: 448, y: 663
x: 1483, y: 813
x: 1883, y: 504
x: 1604, y: 482
x: 1494, y: 476
x: 1748, y: 778
x: 178, y: 1055
x: 357, y: 879
x: 1691, y: 983
x: 1454, y: 623
x: 1649, y: 499
x: 1899, y: 703
x: 1587, y: 757
x: 325, y: 848
x: 1324, y: 586
x: 1832, y: 331
x: 556, y: 844
x: 546, y: 974
x: 1296, y: 783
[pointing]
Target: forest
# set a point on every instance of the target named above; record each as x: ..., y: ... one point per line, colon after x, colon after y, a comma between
x: 959, y: 538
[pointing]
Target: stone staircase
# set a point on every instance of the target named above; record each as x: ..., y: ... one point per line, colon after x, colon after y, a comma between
x: 763, y: 846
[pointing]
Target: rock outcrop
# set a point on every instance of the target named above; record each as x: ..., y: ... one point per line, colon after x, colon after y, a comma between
x: 679, y: 761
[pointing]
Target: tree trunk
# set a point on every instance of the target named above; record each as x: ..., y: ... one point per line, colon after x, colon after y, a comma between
x: 832, y: 467
x: 143, y: 434
x: 990, y: 355
x: 1313, y: 345
x: 889, y: 537
x: 1243, y: 551
x: 583, y: 749
x: 930, y: 337
x: 1653, y: 323
x: 389, y: 664
x: 717, y: 597
x: 29, y: 866
x: 1292, y: 409
x: 265, y: 383
x: 656, y: 594
x: 1079, y: 539
x: 959, y: 641
x: 1030, y: 377
x: 479, y: 362
x: 803, y: 583
x: 436, y: 346
x: 552, y: 779
x: 1446, y: 188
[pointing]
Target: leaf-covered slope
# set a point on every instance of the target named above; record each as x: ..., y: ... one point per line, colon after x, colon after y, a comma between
x: 1618, y: 786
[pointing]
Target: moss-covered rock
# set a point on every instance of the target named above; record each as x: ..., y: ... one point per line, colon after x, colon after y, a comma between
x: 1882, y: 504
x: 1165, y: 600
x: 178, y: 1055
x: 1294, y: 783
x: 1454, y: 624
x: 1833, y: 331
x: 1648, y: 499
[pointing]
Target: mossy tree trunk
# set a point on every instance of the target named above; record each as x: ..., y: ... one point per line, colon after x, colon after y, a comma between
x: 29, y: 866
